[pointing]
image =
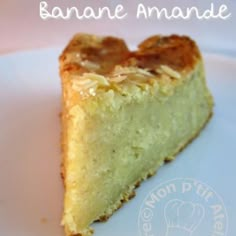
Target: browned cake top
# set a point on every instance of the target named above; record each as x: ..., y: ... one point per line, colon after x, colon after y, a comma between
x: 88, y: 53
x: 90, y: 64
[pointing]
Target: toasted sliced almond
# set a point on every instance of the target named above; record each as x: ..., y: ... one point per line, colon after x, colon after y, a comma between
x: 90, y: 65
x: 169, y: 71
x: 118, y: 78
x: 119, y: 70
x: 78, y: 86
x: 99, y: 78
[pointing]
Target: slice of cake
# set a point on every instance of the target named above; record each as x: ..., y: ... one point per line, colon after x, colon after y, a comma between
x: 124, y: 113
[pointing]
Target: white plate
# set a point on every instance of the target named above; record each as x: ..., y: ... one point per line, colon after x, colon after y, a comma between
x: 31, y: 190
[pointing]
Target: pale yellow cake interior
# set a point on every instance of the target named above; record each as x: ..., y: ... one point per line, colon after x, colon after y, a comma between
x: 117, y: 136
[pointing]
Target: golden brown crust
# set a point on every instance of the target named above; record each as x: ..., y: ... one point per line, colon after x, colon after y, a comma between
x: 178, y: 52
x: 106, y: 52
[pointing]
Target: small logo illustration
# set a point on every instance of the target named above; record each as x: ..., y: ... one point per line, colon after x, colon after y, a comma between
x: 183, y: 217
x: 182, y: 207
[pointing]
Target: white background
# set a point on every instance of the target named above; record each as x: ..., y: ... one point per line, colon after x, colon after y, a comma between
x: 22, y: 28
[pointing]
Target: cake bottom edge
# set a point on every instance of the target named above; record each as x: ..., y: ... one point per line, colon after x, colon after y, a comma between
x: 130, y: 193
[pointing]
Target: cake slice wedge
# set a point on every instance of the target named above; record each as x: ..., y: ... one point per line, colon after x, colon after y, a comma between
x: 124, y: 113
